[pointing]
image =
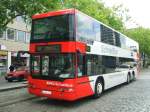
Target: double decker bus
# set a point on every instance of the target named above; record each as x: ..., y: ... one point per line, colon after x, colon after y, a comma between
x: 73, y: 56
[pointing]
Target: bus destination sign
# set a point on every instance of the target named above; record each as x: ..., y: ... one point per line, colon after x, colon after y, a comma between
x: 48, y: 48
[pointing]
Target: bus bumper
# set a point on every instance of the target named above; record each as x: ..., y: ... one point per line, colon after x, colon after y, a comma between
x: 59, y: 95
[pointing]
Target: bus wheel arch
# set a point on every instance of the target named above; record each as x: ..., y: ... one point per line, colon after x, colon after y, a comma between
x: 99, y: 87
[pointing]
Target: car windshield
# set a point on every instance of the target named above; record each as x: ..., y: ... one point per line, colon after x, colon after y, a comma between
x: 53, y: 66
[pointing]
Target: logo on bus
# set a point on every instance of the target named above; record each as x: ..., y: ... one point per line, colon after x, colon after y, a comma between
x: 109, y: 50
x: 59, y: 84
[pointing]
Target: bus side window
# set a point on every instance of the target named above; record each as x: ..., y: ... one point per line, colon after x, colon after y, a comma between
x: 94, y: 65
x: 89, y: 65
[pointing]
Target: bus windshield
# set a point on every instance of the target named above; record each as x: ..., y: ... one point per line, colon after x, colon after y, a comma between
x: 54, y: 28
x: 53, y: 66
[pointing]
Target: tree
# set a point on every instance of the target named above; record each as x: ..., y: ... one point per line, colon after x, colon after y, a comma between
x: 97, y: 10
x: 10, y: 9
x: 121, y: 12
x: 142, y: 36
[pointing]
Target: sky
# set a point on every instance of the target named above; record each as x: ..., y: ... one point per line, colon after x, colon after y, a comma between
x: 139, y: 11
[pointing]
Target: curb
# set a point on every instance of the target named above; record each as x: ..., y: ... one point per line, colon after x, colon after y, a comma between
x: 13, y: 87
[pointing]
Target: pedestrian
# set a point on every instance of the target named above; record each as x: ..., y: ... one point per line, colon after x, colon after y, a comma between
x: 11, y: 68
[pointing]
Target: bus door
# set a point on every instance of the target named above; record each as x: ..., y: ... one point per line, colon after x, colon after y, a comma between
x: 83, y: 87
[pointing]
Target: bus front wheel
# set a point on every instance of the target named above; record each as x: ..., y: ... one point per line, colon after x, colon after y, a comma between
x: 98, y: 89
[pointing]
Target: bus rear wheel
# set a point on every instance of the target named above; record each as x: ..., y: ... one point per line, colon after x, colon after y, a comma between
x: 98, y: 89
x: 134, y: 78
x: 128, y: 79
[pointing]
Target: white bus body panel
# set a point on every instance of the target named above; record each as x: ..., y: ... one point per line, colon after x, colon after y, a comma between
x: 100, y: 48
x: 118, y: 77
x: 110, y: 80
x: 114, y: 79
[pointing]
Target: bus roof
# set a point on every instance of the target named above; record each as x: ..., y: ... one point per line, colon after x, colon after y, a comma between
x: 54, y: 13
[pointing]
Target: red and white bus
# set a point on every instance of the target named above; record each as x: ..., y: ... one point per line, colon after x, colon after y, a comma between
x: 74, y: 56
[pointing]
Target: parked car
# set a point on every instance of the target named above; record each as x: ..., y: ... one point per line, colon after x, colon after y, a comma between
x: 19, y: 74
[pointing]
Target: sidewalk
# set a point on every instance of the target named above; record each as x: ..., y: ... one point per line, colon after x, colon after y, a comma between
x: 11, y: 87
x: 5, y: 86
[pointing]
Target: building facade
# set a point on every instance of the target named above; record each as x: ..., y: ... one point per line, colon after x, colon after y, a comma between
x: 15, y: 38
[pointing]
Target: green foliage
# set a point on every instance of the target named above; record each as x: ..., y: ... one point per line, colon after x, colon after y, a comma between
x: 10, y: 9
x: 97, y: 10
x: 113, y: 17
x: 142, y: 36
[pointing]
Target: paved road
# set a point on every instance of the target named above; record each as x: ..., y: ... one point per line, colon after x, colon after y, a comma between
x: 134, y: 97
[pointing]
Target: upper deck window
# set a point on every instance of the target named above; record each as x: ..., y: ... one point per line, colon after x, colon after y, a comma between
x: 107, y: 35
x: 87, y: 29
x: 55, y: 28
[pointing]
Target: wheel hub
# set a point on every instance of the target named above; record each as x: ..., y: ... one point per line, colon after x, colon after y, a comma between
x: 99, y: 88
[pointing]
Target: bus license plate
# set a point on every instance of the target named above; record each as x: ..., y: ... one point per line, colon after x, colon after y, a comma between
x: 46, y: 92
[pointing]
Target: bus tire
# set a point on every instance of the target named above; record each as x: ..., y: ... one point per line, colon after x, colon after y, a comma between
x: 128, y: 79
x: 98, y: 89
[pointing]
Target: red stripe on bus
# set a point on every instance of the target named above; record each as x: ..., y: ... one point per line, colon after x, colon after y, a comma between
x: 54, y: 13
x: 71, y: 47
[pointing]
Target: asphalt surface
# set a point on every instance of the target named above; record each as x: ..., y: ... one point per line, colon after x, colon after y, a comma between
x: 134, y: 97
x: 5, y: 83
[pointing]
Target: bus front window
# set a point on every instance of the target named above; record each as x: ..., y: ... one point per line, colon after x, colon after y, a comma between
x: 62, y: 65
x: 55, y: 28
x: 56, y: 66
